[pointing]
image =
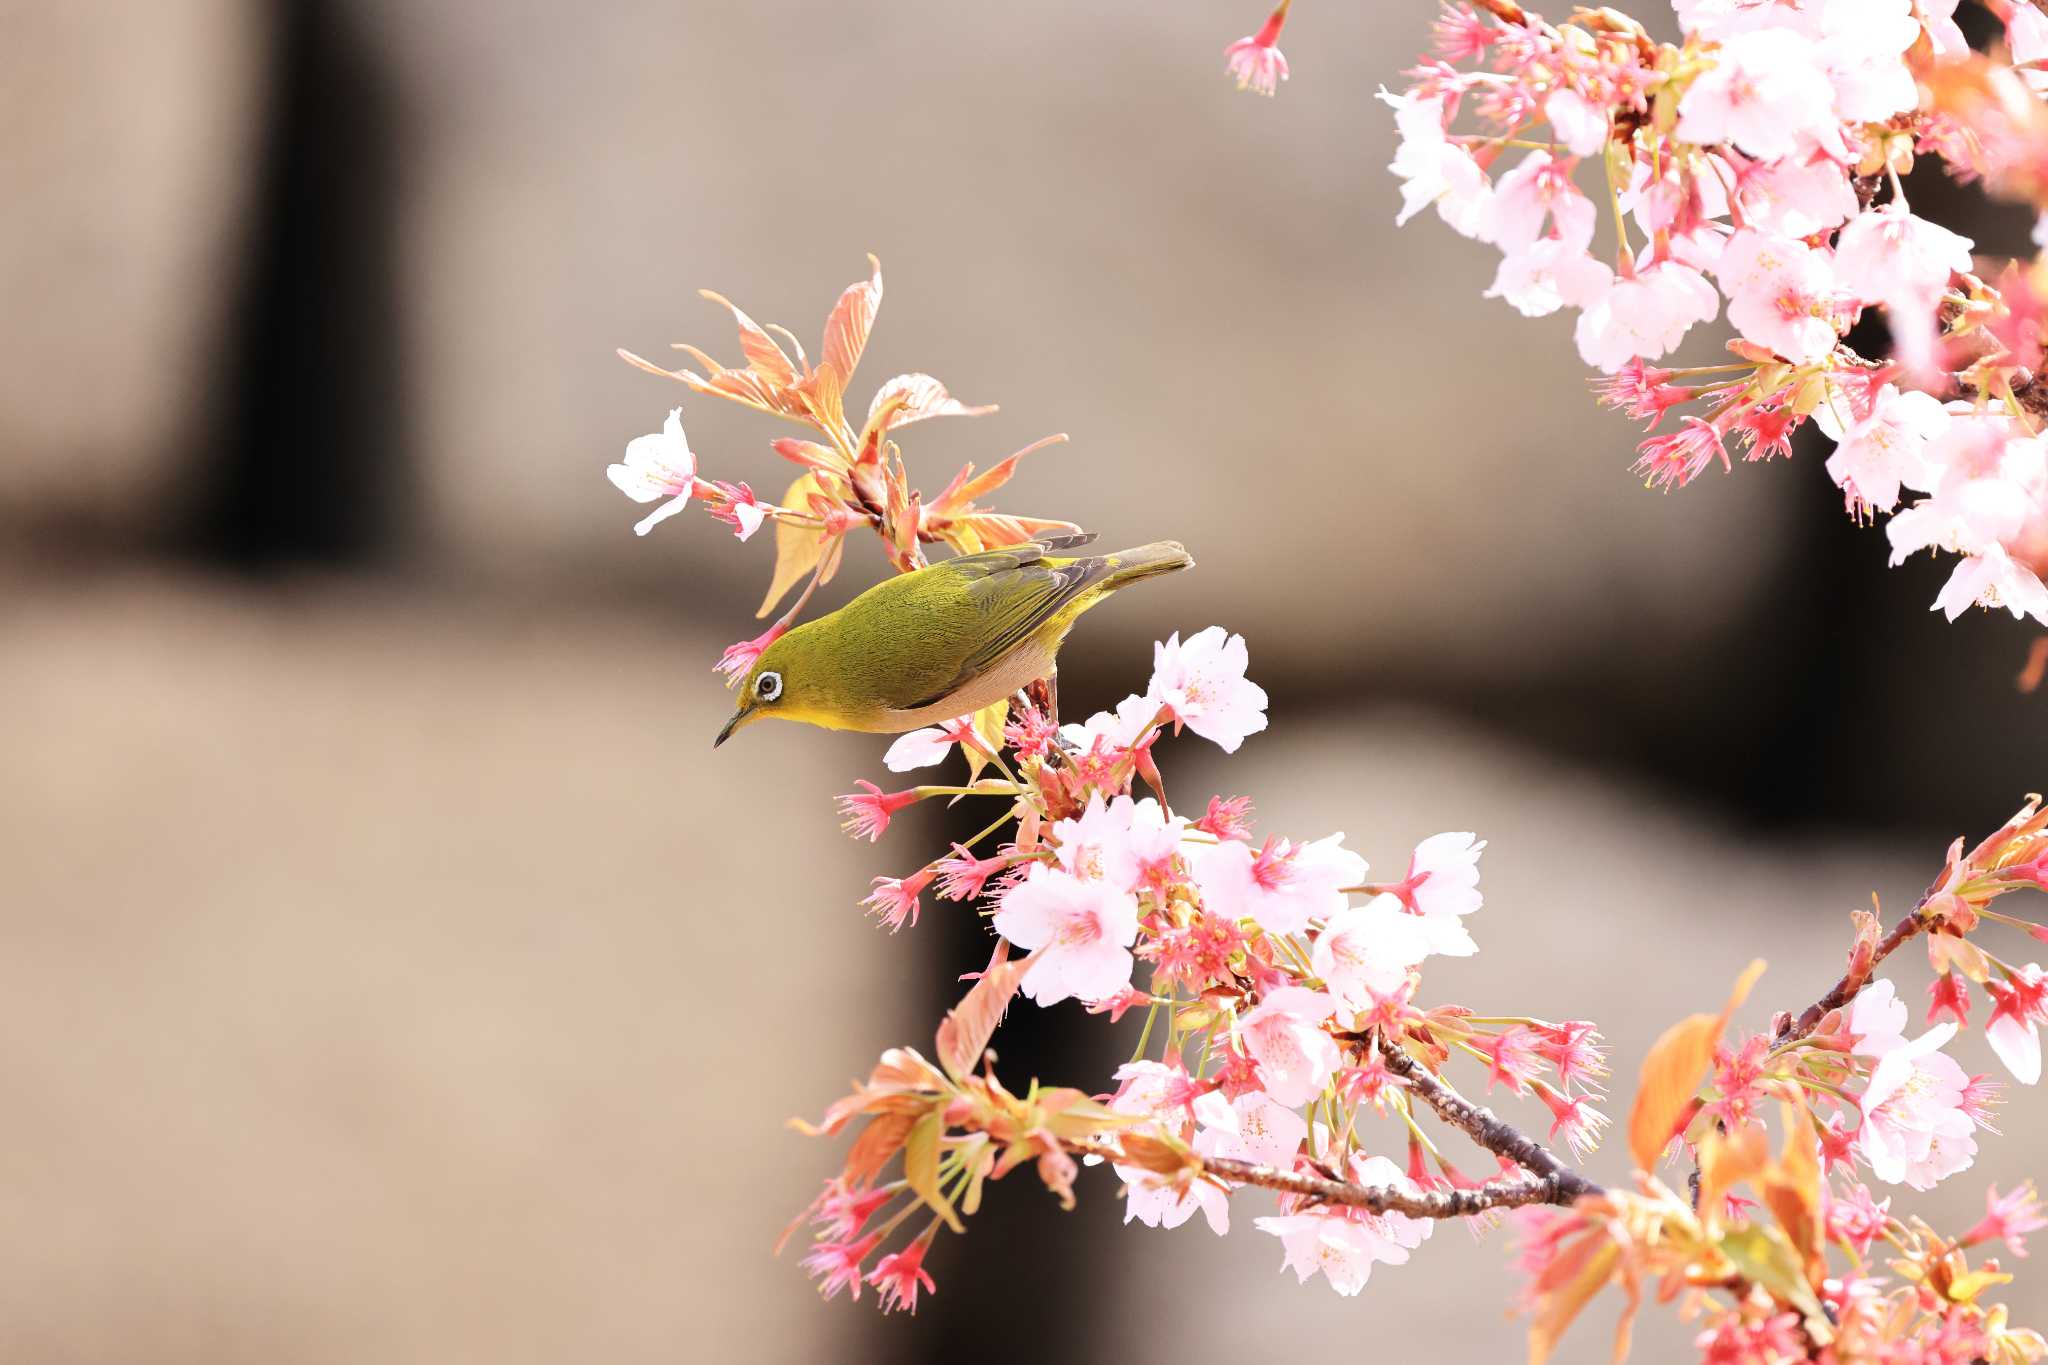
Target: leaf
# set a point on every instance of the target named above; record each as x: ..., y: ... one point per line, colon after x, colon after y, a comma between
x: 917, y: 397
x: 879, y: 1139
x: 1792, y: 1186
x: 1727, y: 1160
x: 1584, y: 1270
x: 846, y: 330
x: 967, y: 1027
x: 988, y: 728
x: 798, y: 547
x: 764, y: 357
x: 1764, y: 1257
x: 1671, y: 1074
x: 921, y: 1165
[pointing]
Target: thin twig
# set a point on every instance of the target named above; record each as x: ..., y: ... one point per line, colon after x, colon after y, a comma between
x: 1853, y: 980
x: 1487, y: 1129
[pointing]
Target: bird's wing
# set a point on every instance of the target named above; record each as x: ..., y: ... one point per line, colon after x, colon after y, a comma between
x: 1013, y: 592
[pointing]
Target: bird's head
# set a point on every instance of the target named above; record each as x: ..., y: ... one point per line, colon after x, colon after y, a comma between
x: 790, y: 681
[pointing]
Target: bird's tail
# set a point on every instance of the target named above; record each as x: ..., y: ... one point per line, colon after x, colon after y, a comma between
x: 1147, y: 561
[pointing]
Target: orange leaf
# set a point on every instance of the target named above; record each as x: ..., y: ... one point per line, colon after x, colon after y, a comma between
x: 1727, y: 1160
x: 798, y: 547
x: 967, y: 1027
x: 1792, y: 1186
x: 1671, y: 1074
x: 846, y: 330
x: 1587, y: 1266
x: 879, y: 1139
x: 921, y: 1165
x: 764, y: 357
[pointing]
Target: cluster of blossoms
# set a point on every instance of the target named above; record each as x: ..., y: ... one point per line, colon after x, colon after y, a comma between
x: 1287, y: 1042
x: 1758, y: 164
x: 1282, y: 1042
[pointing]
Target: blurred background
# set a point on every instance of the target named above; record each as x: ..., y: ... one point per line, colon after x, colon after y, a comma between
x: 391, y: 970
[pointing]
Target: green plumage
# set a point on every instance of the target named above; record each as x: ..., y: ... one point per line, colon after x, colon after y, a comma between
x: 943, y: 641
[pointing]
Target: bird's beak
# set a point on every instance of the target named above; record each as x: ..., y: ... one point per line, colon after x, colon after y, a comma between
x: 730, y: 726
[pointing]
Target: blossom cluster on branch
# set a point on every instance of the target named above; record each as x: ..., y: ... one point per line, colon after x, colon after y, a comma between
x: 1757, y: 165
x: 1287, y: 1048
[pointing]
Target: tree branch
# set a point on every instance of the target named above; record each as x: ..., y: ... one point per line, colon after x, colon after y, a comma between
x: 1853, y: 980
x: 1488, y: 1130
x: 1495, y: 1194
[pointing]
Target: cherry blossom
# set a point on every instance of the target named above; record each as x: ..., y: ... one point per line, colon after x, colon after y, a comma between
x: 1129, y: 844
x: 1080, y: 931
x: 1367, y: 951
x: 1889, y: 449
x: 1202, y: 684
x: 923, y: 748
x: 1435, y: 170
x: 657, y: 466
x: 1256, y: 61
x: 1768, y: 93
x: 2019, y: 1005
x: 1644, y: 315
x: 1780, y: 294
x: 1253, y: 1127
x: 1279, y: 886
x: 1284, y: 1034
x: 1914, y: 1128
x: 1889, y: 255
x: 1344, y: 1244
x: 1441, y: 887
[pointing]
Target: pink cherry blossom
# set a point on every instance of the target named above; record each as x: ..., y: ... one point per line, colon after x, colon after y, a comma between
x: 836, y: 1265
x: 869, y: 810
x: 657, y: 466
x: 1767, y: 92
x: 1796, y: 197
x: 738, y: 660
x: 1117, y: 730
x: 1129, y: 844
x: 1888, y: 449
x: 1284, y: 1034
x: 2026, y: 32
x: 1368, y: 950
x: 1433, y: 169
x: 1253, y: 1127
x: 899, y: 1275
x: 1539, y: 188
x: 1256, y: 61
x: 2008, y: 1218
x: 1854, y: 1217
x: 1202, y: 682
x: 1644, y: 316
x: 1547, y: 275
x: 1579, y: 124
x: 2019, y: 1005
x: 1992, y: 579
x: 736, y: 506
x: 1914, y: 1129
x: 1280, y: 886
x: 923, y: 748
x: 1781, y: 294
x: 1345, y: 1243
x: 1889, y: 254
x: 894, y: 900
x: 1079, y: 931
x: 963, y: 876
x: 1441, y: 887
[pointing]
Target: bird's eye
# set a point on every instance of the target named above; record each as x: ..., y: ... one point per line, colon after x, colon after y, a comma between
x: 768, y: 686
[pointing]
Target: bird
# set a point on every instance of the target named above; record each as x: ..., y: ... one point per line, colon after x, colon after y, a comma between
x: 940, y: 642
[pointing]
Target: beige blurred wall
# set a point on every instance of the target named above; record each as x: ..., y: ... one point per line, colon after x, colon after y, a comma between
x: 352, y: 1005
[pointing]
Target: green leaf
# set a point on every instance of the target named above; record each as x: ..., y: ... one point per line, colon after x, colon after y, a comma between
x: 921, y: 1165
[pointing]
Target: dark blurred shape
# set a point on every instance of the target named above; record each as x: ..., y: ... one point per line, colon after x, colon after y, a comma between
x: 309, y: 461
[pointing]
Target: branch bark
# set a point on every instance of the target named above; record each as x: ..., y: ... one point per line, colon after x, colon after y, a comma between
x: 1487, y: 1129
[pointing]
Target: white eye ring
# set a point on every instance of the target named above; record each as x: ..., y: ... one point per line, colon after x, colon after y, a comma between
x: 768, y: 686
